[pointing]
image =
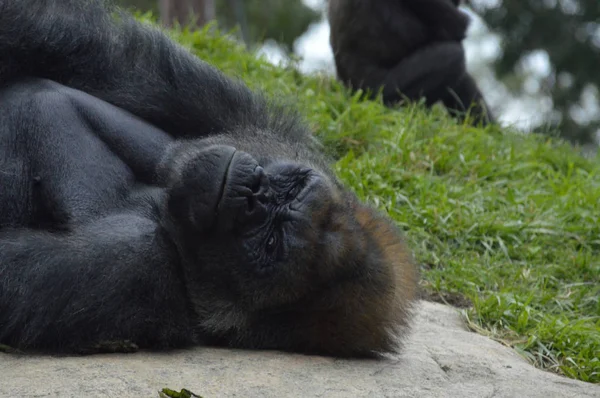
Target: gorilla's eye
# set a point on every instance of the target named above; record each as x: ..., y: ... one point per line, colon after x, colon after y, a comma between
x: 293, y: 193
x: 271, y: 243
x: 303, y: 177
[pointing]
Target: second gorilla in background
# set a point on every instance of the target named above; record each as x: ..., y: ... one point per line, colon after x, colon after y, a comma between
x: 407, y: 48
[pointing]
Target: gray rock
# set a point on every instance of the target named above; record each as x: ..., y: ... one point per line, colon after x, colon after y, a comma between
x: 441, y: 359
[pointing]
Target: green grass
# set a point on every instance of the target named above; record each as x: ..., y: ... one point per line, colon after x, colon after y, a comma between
x: 505, y: 223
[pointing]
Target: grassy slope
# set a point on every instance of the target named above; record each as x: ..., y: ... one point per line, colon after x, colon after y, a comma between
x: 504, y: 222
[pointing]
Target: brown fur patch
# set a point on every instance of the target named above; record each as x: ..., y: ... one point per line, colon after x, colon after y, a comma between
x: 368, y: 315
x: 388, y: 311
x: 362, y: 301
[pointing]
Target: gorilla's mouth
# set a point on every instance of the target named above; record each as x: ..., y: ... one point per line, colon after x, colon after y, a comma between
x: 224, y: 181
x: 246, y: 195
x: 243, y: 186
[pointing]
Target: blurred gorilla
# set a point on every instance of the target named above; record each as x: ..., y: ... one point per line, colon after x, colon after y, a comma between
x: 408, y: 49
x: 151, y: 200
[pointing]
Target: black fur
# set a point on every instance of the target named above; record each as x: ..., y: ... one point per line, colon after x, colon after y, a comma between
x: 147, y: 197
x: 407, y: 48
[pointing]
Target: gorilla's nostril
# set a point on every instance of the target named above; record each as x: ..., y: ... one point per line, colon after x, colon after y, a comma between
x: 263, y: 197
x: 255, y: 187
x: 260, y: 181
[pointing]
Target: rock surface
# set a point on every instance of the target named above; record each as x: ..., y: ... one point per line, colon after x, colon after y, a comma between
x: 441, y: 359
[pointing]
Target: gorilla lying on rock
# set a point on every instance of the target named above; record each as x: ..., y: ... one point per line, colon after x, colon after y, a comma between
x: 146, y: 197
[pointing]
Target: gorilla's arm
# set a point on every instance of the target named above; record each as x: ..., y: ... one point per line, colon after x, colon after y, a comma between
x: 104, y: 52
x: 106, y: 271
x: 437, y: 72
x: 135, y: 142
x: 84, y: 255
x: 109, y: 280
x: 464, y: 96
x: 427, y: 73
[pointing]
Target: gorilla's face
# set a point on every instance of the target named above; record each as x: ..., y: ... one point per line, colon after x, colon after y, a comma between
x: 276, y: 254
x: 264, y: 233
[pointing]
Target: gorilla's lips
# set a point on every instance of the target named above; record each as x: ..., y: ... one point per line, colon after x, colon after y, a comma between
x: 220, y: 186
x: 243, y: 187
x: 224, y: 180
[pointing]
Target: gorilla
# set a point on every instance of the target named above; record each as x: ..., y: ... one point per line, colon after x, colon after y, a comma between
x: 150, y: 200
x: 407, y: 49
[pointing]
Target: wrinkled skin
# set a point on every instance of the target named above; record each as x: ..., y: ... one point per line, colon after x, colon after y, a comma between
x: 408, y: 49
x: 153, y: 202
